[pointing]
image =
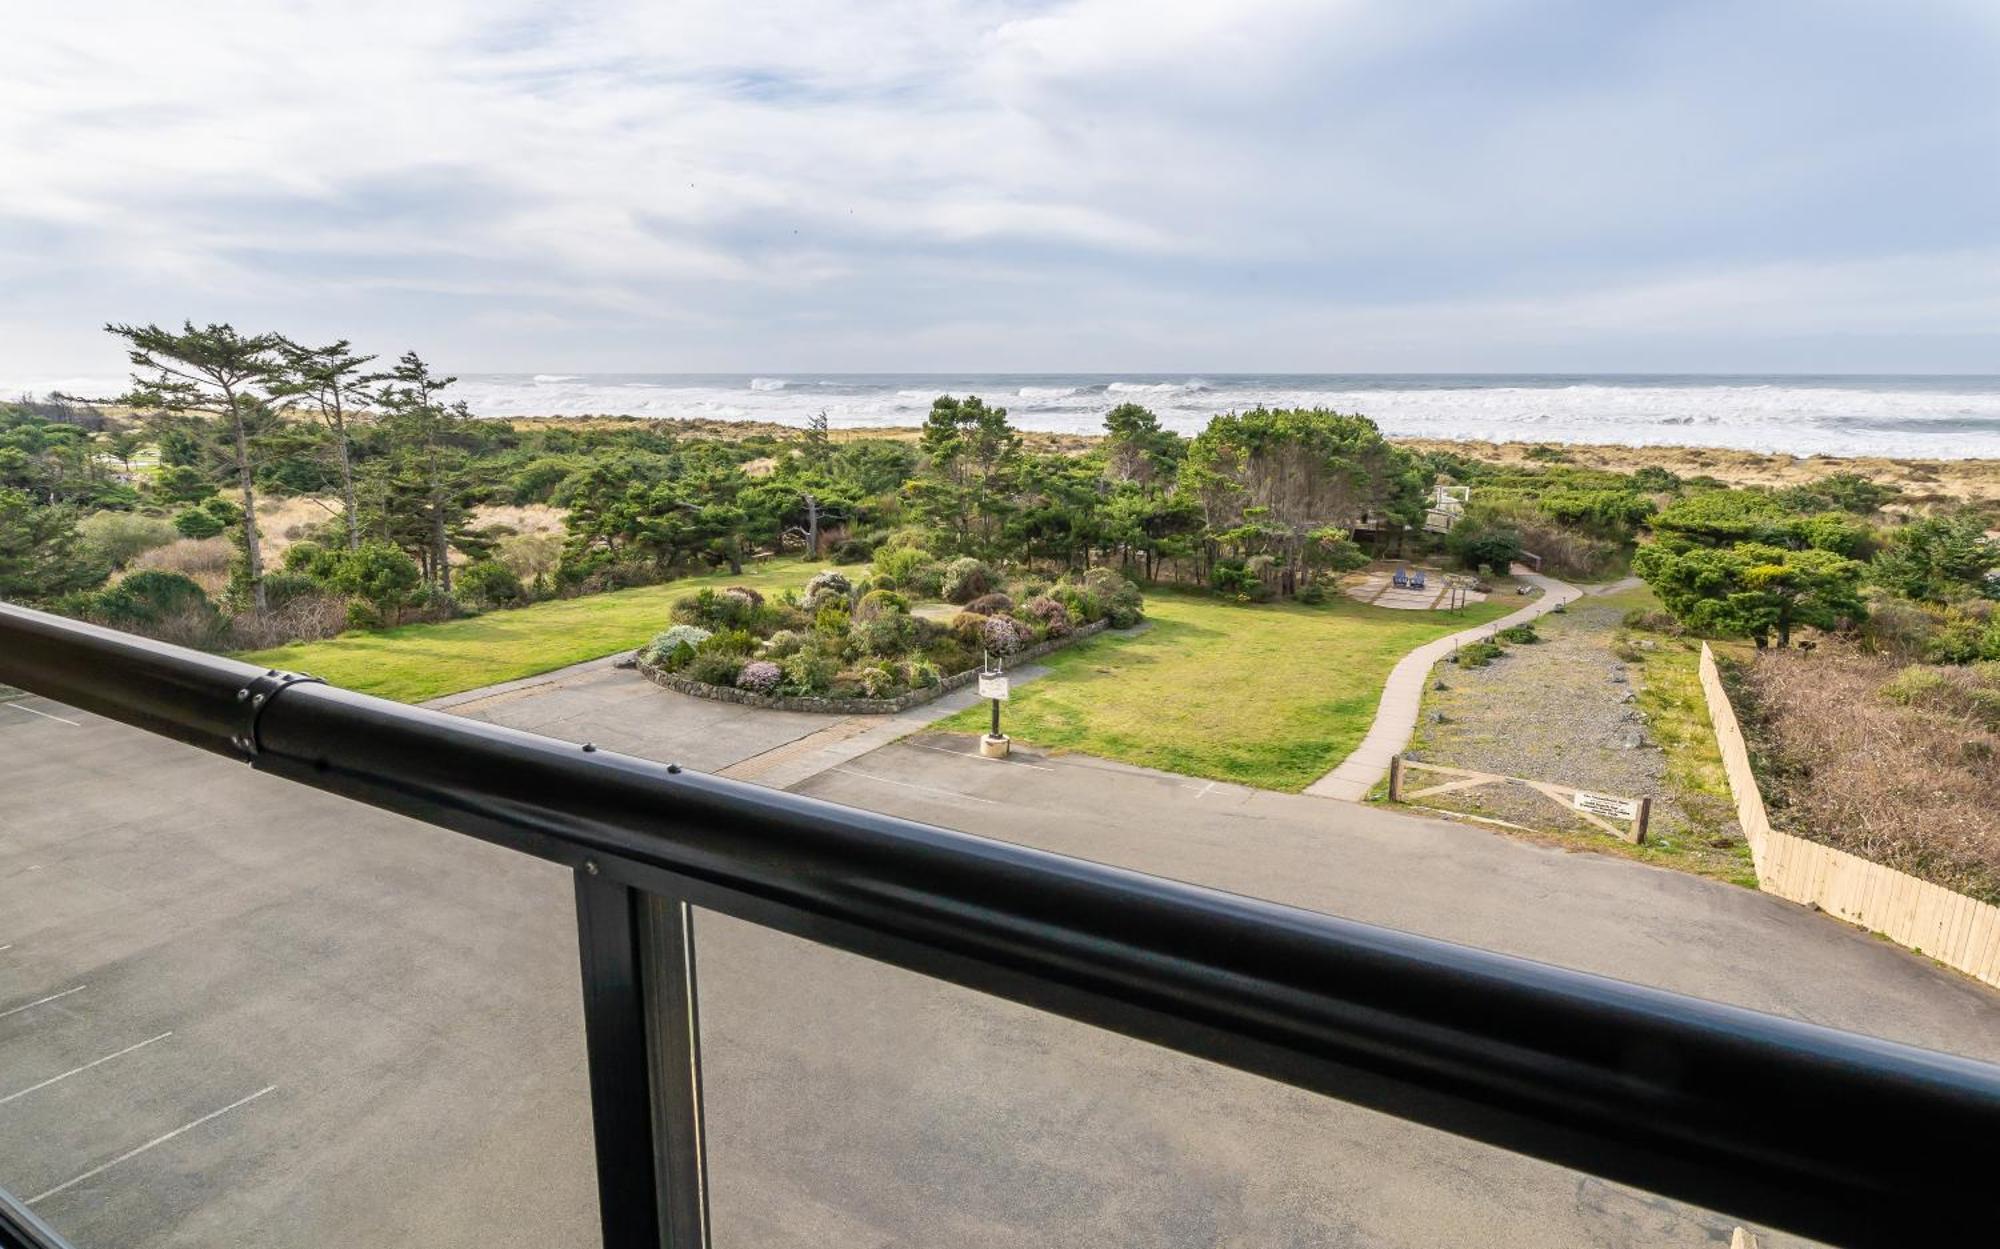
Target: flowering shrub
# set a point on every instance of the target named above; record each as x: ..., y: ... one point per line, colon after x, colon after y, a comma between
x: 759, y: 676
x: 829, y: 581
x: 922, y: 674
x: 1001, y: 635
x: 991, y: 605
x: 746, y: 594
x: 878, y: 681
x: 665, y: 648
x: 1053, y: 615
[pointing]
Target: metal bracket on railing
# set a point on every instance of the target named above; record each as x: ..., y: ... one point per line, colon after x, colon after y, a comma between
x: 257, y: 695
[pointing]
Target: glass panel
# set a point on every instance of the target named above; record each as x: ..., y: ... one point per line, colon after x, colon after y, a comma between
x: 241, y: 1012
x: 851, y: 1103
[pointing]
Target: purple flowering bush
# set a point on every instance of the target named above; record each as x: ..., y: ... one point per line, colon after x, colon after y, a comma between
x: 1052, y: 614
x: 759, y: 676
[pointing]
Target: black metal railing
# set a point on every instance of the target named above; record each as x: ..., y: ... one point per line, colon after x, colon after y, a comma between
x: 1841, y: 1137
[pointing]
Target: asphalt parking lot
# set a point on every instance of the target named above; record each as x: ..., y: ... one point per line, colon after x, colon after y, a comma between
x: 234, y: 1012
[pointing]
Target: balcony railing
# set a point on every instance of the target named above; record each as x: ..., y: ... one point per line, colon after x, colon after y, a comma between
x: 1836, y: 1136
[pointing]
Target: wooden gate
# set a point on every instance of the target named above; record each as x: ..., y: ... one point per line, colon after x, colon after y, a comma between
x: 1622, y: 817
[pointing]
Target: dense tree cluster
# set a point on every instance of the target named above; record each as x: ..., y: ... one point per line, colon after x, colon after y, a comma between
x: 152, y: 520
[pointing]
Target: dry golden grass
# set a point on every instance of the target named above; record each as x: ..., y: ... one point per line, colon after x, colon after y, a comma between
x: 1907, y: 781
x: 521, y: 518
x: 205, y: 561
x: 1920, y: 480
x: 286, y: 519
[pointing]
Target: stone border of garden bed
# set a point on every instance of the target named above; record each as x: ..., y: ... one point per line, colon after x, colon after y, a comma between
x: 852, y: 706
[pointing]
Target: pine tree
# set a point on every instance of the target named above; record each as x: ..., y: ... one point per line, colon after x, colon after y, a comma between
x: 220, y: 372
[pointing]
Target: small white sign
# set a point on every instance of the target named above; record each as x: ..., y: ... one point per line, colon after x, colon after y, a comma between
x: 1609, y: 806
x: 993, y: 686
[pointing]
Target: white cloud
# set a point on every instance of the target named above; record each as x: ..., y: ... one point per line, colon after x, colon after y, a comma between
x: 957, y: 181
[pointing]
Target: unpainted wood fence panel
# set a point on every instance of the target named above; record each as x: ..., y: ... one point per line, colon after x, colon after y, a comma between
x: 1958, y: 931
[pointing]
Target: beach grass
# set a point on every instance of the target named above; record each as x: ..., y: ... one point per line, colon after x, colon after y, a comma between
x: 412, y: 663
x: 1271, y: 695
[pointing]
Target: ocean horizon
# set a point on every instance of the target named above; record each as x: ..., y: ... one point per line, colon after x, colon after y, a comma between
x: 1926, y: 416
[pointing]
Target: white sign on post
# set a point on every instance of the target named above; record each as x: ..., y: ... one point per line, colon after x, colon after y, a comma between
x: 1607, y: 805
x: 993, y: 685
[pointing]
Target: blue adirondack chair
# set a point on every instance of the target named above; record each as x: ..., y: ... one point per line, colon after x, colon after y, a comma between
x: 1401, y: 580
x: 1417, y: 580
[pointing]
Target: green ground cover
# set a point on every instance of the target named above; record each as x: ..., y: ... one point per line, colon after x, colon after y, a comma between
x: 416, y: 662
x: 1271, y: 695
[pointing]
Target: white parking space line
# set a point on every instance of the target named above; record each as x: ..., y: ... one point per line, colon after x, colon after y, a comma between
x: 95, y: 1062
x: 102, y: 1167
x: 43, y: 714
x: 7, y: 947
x: 42, y: 1000
x: 929, y: 789
x: 968, y: 754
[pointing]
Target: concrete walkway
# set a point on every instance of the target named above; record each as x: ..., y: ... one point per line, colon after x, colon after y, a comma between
x: 1403, y: 696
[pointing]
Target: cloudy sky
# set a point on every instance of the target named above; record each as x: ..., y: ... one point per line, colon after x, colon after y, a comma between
x: 1100, y: 185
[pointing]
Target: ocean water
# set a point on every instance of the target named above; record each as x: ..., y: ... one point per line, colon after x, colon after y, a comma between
x: 1913, y: 416
x: 1927, y: 417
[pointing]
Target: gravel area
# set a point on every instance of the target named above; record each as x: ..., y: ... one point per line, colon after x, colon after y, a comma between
x: 1564, y: 710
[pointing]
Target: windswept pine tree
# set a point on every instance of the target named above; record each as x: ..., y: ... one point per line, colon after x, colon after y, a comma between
x: 217, y: 371
x: 329, y: 380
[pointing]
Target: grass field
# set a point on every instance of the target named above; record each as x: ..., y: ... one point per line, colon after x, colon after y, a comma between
x: 416, y: 662
x: 1269, y: 695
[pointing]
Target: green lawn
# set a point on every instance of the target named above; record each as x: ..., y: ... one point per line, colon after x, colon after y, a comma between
x: 416, y: 662
x: 1270, y: 695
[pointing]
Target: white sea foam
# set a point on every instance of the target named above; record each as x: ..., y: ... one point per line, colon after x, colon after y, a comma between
x: 1941, y: 418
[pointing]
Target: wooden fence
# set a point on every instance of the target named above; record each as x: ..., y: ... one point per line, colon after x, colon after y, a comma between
x: 1930, y: 919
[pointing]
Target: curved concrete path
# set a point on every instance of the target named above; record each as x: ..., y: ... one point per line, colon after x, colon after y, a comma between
x: 1403, y: 696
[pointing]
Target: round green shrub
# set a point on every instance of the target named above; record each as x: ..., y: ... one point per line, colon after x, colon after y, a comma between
x: 195, y: 523
x: 878, y: 603
x: 714, y: 667
x: 118, y: 538
x: 782, y: 643
x: 807, y: 672
x: 891, y: 633
x: 491, y: 584
x: 965, y: 579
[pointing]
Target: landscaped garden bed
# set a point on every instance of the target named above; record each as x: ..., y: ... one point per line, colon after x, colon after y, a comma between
x: 856, y: 646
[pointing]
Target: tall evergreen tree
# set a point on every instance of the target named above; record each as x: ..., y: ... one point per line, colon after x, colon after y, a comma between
x: 218, y: 371
x: 329, y: 379
x: 428, y: 439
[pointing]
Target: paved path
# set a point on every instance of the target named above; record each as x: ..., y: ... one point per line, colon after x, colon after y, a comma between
x: 1403, y: 696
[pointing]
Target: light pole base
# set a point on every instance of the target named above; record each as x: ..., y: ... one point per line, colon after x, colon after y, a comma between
x: 994, y: 745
